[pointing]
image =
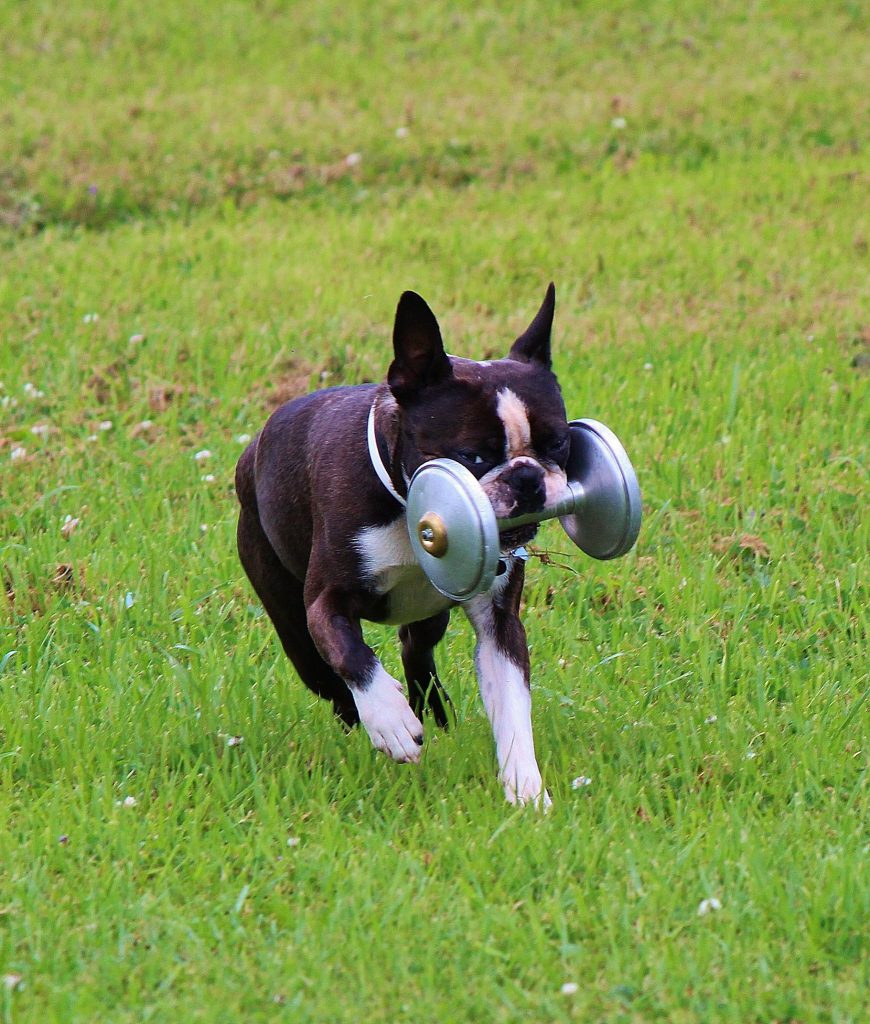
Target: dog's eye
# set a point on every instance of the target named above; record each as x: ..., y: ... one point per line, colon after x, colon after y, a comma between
x: 474, y: 460
x: 557, y: 450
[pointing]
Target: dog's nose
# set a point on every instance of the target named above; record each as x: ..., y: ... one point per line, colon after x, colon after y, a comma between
x: 527, y: 483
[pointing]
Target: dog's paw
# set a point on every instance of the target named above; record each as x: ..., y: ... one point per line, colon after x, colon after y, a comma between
x: 388, y: 719
x: 528, y: 789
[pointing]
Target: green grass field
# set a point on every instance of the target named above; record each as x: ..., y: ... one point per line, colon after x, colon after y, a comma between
x: 205, y: 209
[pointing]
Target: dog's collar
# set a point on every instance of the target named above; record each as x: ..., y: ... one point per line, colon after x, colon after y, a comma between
x: 377, y: 461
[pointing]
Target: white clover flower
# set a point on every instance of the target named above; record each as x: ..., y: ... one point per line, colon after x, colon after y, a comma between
x: 136, y: 339
x: 708, y: 905
x: 18, y: 453
x: 243, y: 438
x: 202, y: 455
x: 352, y: 159
x: 570, y: 988
x: 12, y: 980
x: 581, y: 781
x: 90, y: 318
x: 618, y: 123
x: 710, y: 719
x: 40, y: 430
x: 106, y: 425
x: 128, y: 801
x: 209, y: 478
x: 235, y: 741
x: 292, y: 840
x: 402, y: 132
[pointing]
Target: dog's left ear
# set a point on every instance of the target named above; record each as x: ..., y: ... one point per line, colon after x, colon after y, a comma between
x: 533, y: 346
x: 420, y: 360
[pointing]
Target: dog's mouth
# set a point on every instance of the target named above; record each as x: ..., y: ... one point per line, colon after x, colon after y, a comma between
x: 510, y: 540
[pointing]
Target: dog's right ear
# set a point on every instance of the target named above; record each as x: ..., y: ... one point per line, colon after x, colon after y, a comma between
x: 420, y: 360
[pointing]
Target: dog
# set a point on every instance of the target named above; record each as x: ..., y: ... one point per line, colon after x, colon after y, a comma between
x: 322, y: 533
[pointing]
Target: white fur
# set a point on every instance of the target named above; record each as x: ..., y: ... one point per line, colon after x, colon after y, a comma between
x: 514, y: 415
x: 387, y: 717
x: 385, y: 547
x: 508, y: 704
x: 389, y: 561
x: 555, y: 483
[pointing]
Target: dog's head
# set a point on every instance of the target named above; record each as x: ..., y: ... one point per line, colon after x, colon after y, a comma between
x: 503, y: 419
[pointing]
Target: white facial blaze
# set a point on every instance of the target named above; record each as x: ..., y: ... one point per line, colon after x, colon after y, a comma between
x: 515, y: 416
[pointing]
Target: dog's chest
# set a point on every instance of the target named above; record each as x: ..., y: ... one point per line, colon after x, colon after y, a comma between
x: 389, y: 565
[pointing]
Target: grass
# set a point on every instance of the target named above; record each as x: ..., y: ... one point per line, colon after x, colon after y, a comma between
x: 711, y: 267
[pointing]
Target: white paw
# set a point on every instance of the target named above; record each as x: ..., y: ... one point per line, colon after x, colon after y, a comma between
x: 388, y: 719
x: 526, y: 789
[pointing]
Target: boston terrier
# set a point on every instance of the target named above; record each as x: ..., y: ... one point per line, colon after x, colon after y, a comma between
x: 323, y: 537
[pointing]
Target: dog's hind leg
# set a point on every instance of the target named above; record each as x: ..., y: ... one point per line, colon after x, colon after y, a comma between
x: 281, y: 594
x: 424, y: 687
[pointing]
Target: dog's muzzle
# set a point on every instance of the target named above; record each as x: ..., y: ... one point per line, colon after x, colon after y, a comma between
x: 525, y: 480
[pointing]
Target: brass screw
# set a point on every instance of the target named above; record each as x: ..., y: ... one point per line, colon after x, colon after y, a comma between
x: 432, y: 532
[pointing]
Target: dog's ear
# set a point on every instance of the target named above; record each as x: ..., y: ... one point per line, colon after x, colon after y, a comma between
x: 420, y: 359
x: 533, y: 346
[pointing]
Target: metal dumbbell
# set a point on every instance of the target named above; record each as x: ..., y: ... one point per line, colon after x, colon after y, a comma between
x: 455, y: 533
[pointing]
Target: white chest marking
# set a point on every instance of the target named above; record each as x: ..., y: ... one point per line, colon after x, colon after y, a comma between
x: 514, y: 415
x: 389, y: 562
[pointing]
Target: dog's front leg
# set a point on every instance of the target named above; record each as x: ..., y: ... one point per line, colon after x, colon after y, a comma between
x: 502, y: 662
x: 380, y: 699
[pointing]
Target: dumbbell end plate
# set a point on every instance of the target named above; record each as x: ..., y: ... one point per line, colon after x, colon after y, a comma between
x: 607, y: 524
x: 467, y: 565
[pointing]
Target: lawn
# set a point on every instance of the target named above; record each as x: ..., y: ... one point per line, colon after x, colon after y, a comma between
x: 206, y: 209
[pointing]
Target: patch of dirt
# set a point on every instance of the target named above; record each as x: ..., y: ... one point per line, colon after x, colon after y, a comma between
x: 161, y: 396
x: 64, y: 578
x: 297, y: 377
x: 103, y: 382
x: 34, y: 597
x: 745, y: 542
